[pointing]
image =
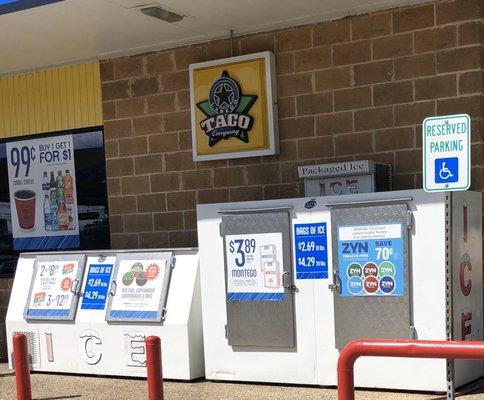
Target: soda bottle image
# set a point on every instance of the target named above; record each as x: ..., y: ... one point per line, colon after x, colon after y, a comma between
x: 53, y: 189
x: 68, y: 187
x: 63, y: 223
x: 47, y: 214
x: 61, y: 195
x: 71, y: 224
x: 45, y: 183
x: 54, y: 209
x: 69, y: 192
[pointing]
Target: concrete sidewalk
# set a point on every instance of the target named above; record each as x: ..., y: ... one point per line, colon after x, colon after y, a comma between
x: 54, y: 387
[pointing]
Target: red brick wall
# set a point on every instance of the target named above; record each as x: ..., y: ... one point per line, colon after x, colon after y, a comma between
x: 357, y: 88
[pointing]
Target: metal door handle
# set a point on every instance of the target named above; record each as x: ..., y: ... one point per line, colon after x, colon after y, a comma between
x: 335, y: 287
x: 75, y: 284
x: 289, y: 285
x: 114, y: 286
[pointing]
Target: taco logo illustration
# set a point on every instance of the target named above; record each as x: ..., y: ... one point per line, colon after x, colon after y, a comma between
x: 226, y: 111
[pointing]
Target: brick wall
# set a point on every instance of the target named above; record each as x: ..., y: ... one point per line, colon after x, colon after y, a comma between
x: 356, y: 88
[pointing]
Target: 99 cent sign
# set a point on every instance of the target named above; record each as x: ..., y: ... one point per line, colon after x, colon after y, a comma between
x: 43, y: 198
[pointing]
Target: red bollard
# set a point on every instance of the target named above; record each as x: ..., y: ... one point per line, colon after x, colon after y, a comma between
x: 153, y: 363
x: 22, y: 367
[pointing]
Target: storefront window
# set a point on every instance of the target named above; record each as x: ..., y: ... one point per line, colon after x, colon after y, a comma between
x: 92, y: 206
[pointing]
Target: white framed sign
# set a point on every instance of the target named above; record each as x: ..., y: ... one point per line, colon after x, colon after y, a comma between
x: 254, y: 267
x: 140, y: 287
x: 446, y: 153
x: 54, y: 289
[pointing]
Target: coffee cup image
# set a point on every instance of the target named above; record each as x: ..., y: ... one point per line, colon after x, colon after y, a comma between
x: 25, y: 204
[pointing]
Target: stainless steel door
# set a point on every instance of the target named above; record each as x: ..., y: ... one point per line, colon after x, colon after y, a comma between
x: 365, y: 303
x: 260, y: 321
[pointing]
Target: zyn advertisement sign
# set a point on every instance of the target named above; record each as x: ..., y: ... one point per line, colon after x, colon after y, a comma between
x: 42, y: 184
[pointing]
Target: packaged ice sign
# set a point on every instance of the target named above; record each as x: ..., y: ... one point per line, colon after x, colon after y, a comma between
x: 43, y: 199
x: 447, y: 153
x: 254, y: 267
x: 54, y: 289
x: 371, y: 260
x: 139, y: 288
x: 311, y: 252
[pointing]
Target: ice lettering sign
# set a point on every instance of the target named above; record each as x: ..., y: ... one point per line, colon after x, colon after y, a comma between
x: 371, y: 260
x: 97, y: 283
x: 42, y: 184
x: 446, y: 153
x: 54, y: 288
x: 254, y: 267
x: 311, y: 251
x: 138, y: 290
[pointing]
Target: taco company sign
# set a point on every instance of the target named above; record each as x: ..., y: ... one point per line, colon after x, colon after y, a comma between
x: 233, y: 107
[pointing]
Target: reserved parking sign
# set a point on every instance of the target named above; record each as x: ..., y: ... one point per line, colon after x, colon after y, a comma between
x: 446, y: 150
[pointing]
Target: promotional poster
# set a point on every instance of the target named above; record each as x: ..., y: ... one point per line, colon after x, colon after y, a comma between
x: 42, y: 184
x: 52, y: 289
x: 139, y: 285
x: 371, y: 260
x: 254, y: 267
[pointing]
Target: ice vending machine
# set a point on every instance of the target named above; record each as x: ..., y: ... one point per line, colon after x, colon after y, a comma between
x: 287, y: 283
x: 90, y: 312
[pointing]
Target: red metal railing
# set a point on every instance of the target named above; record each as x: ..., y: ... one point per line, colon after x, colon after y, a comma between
x: 398, y: 348
x: 22, y: 367
x: 153, y: 364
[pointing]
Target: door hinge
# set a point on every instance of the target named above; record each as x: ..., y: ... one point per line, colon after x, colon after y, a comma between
x: 221, y: 229
x: 409, y: 220
x: 226, y: 332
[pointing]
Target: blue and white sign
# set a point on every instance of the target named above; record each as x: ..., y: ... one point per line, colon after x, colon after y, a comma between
x: 43, y: 198
x: 371, y: 260
x: 254, y: 267
x: 311, y: 251
x: 447, y: 153
x: 96, y: 289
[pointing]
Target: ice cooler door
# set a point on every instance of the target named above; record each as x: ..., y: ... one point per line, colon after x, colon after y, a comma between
x: 257, y: 319
x: 371, y: 272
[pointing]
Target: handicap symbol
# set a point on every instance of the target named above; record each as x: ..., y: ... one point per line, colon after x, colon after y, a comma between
x: 444, y: 172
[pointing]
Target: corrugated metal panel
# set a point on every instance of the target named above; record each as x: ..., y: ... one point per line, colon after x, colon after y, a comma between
x: 51, y: 100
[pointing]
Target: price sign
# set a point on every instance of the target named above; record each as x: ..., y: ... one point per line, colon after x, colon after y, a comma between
x: 43, y: 198
x: 311, y: 253
x: 97, y: 284
x: 54, y: 287
x: 371, y: 260
x: 254, y: 267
